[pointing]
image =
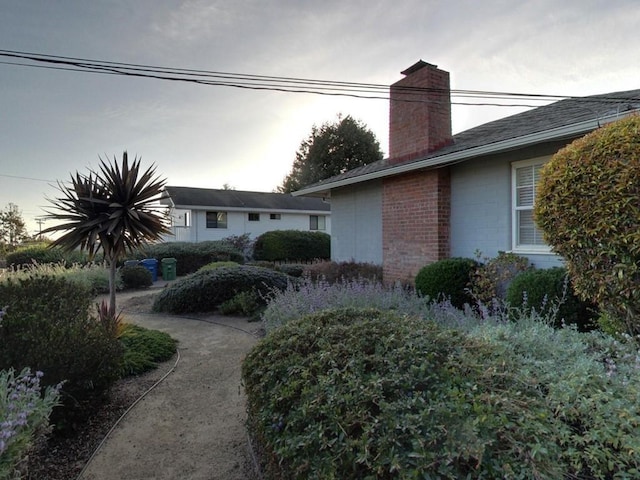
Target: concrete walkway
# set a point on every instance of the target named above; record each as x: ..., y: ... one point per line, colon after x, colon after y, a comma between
x: 191, y: 426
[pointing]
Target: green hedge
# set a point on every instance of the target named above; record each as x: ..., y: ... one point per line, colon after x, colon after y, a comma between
x: 42, y: 254
x: 190, y: 256
x: 549, y: 293
x: 207, y: 289
x: 281, y: 245
x: 450, y: 278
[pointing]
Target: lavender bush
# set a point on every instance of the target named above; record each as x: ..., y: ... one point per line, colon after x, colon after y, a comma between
x: 308, y: 296
x: 24, y: 416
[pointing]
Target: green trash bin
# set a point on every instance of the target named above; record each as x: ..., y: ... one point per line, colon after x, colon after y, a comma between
x: 168, y: 268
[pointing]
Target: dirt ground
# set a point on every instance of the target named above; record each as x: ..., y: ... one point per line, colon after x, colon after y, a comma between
x: 191, y: 425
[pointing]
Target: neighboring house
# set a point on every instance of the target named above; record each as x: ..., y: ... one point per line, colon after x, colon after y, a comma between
x: 199, y: 214
x: 440, y: 195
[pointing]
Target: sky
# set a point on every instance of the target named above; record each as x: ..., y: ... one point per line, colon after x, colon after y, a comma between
x: 54, y: 123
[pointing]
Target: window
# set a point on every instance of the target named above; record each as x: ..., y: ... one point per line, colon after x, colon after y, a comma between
x: 317, y: 222
x: 254, y: 217
x: 275, y: 216
x: 216, y: 219
x: 525, y: 176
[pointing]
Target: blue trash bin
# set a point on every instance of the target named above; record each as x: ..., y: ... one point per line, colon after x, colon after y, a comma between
x: 151, y: 264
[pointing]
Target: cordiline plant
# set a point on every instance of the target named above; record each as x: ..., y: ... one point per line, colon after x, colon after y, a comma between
x: 24, y: 416
x: 114, y: 209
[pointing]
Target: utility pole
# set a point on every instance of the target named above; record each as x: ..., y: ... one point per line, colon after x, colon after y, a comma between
x: 40, y: 221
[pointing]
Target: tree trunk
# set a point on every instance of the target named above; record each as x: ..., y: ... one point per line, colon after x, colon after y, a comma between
x: 113, y: 263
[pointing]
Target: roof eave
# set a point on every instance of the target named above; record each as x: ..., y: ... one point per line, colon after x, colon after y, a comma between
x: 567, y: 131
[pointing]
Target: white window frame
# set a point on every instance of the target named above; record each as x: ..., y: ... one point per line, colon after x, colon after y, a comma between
x: 515, y: 246
x: 320, y: 222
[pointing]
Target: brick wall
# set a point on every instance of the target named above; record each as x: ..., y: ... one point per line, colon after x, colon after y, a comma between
x: 415, y: 222
x: 419, y: 112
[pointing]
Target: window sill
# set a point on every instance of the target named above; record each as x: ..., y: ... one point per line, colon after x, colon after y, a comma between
x: 533, y: 251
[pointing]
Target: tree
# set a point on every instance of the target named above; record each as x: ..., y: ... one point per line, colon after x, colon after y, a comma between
x: 330, y: 150
x: 12, y: 226
x: 588, y: 207
x: 113, y: 209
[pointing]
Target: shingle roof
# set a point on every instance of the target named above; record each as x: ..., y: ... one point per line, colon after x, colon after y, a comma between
x: 213, y: 198
x: 555, y: 115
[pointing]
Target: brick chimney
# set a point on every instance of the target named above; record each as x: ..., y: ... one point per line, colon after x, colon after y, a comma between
x: 419, y: 113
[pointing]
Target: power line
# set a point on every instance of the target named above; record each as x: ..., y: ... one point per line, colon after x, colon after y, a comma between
x: 26, y: 178
x: 286, y: 84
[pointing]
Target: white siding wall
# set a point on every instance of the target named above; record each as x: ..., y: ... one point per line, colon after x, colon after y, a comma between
x: 481, y: 211
x: 238, y: 224
x: 356, y: 214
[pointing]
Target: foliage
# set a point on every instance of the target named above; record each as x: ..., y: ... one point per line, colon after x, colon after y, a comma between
x: 337, y: 271
x: 49, y: 328
x: 94, y: 277
x: 42, y: 254
x: 113, y: 209
x: 24, y: 417
x: 587, y: 207
x: 136, y: 276
x: 281, y: 245
x: 144, y: 348
x: 206, y: 290
x: 549, y: 292
x: 191, y: 256
x: 13, y: 230
x: 330, y: 150
x: 247, y: 303
x: 212, y: 265
x: 356, y: 394
x: 449, y: 278
x: 492, y: 278
x: 309, y: 296
x: 242, y: 243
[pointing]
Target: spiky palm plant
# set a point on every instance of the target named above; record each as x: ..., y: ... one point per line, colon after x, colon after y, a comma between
x: 113, y: 209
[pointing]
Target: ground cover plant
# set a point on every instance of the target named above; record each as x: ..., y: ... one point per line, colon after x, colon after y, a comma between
x: 206, y: 290
x: 361, y: 393
x: 144, y: 348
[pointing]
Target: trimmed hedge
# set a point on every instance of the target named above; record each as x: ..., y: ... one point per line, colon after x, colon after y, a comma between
x: 281, y: 245
x: 549, y: 293
x: 191, y: 256
x: 450, y: 278
x: 207, y: 289
x: 136, y: 276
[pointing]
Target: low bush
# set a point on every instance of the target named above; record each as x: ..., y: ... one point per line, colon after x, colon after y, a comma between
x: 492, y: 277
x: 338, y: 271
x: 449, y: 278
x: 206, y: 290
x: 212, y: 265
x: 43, y: 254
x: 136, y: 276
x: 191, y: 256
x: 144, y: 349
x: 24, y: 415
x: 48, y: 327
x: 549, y: 292
x: 354, y: 394
x: 281, y: 245
x: 247, y: 303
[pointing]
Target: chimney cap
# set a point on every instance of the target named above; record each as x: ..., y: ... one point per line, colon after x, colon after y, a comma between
x: 417, y: 66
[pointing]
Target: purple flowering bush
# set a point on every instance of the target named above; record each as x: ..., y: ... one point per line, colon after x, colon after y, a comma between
x: 24, y: 416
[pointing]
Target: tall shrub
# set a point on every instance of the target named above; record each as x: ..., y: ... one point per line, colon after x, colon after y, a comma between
x: 587, y: 206
x: 281, y: 245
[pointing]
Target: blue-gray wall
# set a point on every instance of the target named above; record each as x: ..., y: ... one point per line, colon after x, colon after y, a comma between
x: 481, y: 210
x: 356, y: 221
